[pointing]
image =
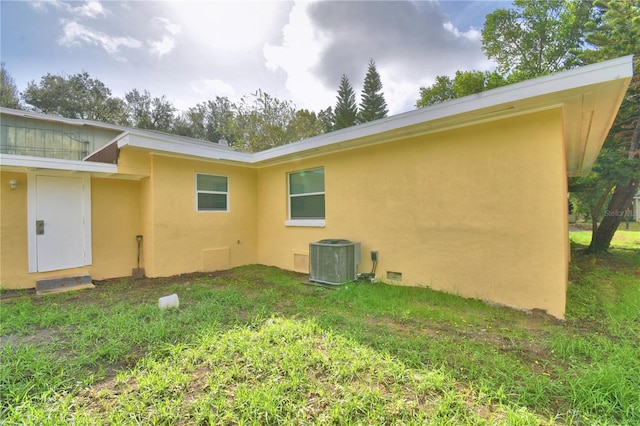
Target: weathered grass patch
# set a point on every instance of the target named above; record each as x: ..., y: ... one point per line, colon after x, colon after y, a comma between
x: 279, y: 371
x: 256, y: 346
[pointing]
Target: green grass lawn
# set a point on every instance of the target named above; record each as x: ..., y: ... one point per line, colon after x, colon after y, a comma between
x: 257, y: 346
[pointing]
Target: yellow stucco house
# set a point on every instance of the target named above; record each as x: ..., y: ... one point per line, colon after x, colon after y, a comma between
x: 468, y: 196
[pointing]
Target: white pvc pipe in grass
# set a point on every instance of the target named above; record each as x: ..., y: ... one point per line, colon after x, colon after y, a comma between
x: 168, y: 302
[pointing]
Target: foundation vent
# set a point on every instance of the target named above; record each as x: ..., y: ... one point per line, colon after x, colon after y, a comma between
x: 334, y: 261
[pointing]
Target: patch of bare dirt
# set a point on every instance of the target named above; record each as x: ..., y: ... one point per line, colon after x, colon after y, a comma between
x: 45, y: 335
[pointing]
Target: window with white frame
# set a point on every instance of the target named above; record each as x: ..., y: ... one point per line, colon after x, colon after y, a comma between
x: 306, y: 195
x: 212, y: 193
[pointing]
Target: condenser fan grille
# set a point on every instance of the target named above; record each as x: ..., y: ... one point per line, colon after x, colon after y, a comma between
x: 334, y: 261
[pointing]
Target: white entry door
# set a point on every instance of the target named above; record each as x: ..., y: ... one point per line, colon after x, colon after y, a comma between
x: 59, y: 229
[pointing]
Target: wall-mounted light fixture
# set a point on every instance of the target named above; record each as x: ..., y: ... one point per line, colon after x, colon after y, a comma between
x: 13, y: 183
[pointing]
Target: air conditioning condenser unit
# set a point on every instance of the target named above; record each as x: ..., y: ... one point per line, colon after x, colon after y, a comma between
x: 334, y: 261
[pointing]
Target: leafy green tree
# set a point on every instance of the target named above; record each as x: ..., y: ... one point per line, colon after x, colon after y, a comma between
x: 207, y: 121
x: 260, y: 122
x: 614, y: 32
x: 372, y: 103
x: 76, y: 96
x: 139, y: 108
x: 326, y: 118
x: 535, y: 37
x: 8, y: 90
x: 440, y: 91
x: 470, y: 82
x: 346, y: 110
x: 304, y: 124
x: 464, y: 83
x: 147, y: 112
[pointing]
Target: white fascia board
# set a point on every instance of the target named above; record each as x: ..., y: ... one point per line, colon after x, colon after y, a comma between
x: 27, y: 162
x: 204, y: 150
x: 565, y: 81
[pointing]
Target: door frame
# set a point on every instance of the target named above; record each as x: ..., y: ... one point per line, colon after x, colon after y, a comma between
x: 32, y: 213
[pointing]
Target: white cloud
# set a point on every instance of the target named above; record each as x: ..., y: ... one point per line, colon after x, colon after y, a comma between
x: 167, y: 43
x: 90, y: 8
x: 173, y: 29
x: 472, y: 34
x: 226, y: 26
x: 76, y: 34
x: 43, y: 5
x: 297, y: 56
x: 162, y: 47
x: 193, y: 51
x: 409, y: 41
x: 324, y: 40
x: 400, y: 93
x: 210, y: 88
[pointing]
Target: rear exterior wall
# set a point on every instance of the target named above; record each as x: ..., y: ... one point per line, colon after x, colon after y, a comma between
x: 115, y: 221
x: 479, y: 211
x: 178, y: 238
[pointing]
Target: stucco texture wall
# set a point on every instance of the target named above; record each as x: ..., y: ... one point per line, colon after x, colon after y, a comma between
x: 478, y: 211
x: 115, y: 220
x: 13, y: 232
x: 186, y: 240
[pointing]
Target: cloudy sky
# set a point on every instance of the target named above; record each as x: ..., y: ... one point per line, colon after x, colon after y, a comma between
x: 194, y: 51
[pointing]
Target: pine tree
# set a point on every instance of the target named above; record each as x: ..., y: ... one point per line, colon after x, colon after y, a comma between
x: 346, y: 110
x: 372, y: 104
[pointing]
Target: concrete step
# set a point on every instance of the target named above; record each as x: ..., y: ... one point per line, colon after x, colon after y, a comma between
x: 60, y: 284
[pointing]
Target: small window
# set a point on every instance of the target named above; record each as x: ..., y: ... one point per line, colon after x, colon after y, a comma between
x: 306, y: 195
x: 212, y: 193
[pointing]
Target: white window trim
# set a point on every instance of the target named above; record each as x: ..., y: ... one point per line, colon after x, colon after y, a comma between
x: 317, y: 223
x: 197, y: 191
x: 311, y: 223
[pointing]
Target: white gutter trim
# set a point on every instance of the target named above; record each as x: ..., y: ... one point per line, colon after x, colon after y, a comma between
x: 12, y: 160
x: 204, y: 150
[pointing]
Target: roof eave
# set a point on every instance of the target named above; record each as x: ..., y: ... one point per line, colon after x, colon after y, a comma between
x: 552, y: 91
x: 27, y: 163
x: 170, y: 146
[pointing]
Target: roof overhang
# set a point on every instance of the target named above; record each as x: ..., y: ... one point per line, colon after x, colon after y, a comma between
x: 24, y: 163
x: 589, y: 98
x: 163, y: 144
x: 184, y: 148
